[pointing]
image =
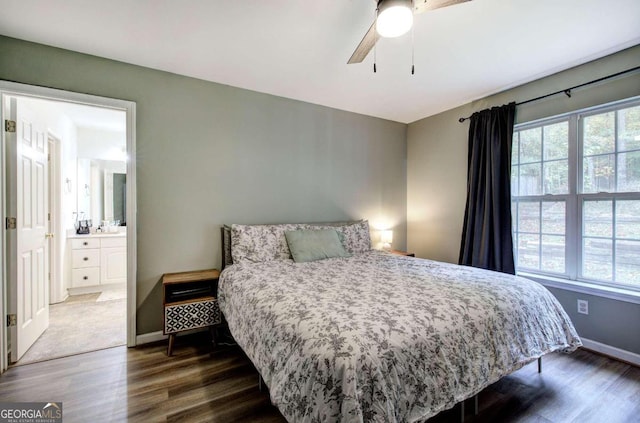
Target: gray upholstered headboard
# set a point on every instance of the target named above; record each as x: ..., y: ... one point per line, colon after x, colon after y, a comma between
x: 225, y: 233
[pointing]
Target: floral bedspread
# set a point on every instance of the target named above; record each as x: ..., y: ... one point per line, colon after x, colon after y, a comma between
x: 384, y: 338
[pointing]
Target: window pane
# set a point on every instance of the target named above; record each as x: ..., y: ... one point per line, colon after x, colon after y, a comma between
x: 598, y: 218
x: 529, y: 216
x: 597, y: 259
x: 556, y: 141
x: 556, y: 177
x: 515, y: 151
x: 628, y: 220
x: 553, y: 217
x: 530, y: 145
x: 629, y: 172
x: 599, y: 173
x: 514, y: 181
x: 514, y: 221
x: 529, y: 251
x: 552, y: 253
x: 530, y: 179
x: 627, y: 262
x: 629, y: 129
x: 599, y: 134
x: 514, y: 215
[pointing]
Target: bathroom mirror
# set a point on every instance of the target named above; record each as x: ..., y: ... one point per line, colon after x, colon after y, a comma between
x: 101, y: 190
x: 115, y: 197
x: 98, y: 191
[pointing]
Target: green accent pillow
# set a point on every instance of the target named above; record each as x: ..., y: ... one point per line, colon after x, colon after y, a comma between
x: 310, y: 245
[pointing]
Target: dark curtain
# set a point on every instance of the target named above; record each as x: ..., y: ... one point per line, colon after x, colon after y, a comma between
x: 486, y: 234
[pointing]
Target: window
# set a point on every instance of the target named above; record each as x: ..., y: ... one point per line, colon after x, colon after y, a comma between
x: 575, y: 186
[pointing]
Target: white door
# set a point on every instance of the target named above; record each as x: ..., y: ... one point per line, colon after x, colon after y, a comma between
x: 28, y: 259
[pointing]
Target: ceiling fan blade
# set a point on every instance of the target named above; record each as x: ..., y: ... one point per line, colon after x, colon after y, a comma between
x: 365, y: 46
x: 420, y: 6
x: 371, y: 37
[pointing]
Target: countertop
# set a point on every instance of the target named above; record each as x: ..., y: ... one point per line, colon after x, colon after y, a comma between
x: 98, y: 235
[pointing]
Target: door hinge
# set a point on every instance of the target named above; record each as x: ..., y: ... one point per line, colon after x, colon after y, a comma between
x: 9, y: 125
x: 12, y: 320
x: 10, y: 223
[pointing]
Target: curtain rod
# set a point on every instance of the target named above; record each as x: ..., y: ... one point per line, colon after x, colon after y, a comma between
x: 567, y: 91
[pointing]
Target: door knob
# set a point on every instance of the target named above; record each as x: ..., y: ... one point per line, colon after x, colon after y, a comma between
x: 48, y: 235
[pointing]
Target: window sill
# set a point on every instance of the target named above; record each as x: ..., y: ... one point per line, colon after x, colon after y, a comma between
x: 619, y: 294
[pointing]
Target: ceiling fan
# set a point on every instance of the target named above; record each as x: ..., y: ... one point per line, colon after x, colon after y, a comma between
x: 394, y: 18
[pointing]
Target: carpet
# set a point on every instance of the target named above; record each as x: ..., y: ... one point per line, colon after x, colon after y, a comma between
x: 80, y: 324
x: 113, y: 294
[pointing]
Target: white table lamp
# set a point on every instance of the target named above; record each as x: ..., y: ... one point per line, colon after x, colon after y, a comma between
x: 386, y: 237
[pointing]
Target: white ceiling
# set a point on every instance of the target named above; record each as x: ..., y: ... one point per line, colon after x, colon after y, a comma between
x: 98, y: 118
x: 299, y: 49
x: 100, y: 132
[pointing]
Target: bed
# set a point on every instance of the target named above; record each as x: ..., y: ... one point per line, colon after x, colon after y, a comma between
x: 377, y: 337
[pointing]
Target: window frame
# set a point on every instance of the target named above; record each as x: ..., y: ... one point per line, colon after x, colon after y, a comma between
x: 575, y: 198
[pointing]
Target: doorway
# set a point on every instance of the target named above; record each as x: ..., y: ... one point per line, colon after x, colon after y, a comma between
x: 87, y: 280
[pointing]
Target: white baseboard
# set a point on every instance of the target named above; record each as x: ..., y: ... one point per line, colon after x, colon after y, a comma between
x: 95, y: 288
x: 620, y: 354
x: 147, y: 338
x: 61, y: 301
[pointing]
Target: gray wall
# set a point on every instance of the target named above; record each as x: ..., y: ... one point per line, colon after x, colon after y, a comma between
x: 437, y: 172
x: 610, y: 322
x: 209, y: 154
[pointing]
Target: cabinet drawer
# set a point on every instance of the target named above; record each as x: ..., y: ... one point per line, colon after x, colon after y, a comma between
x: 85, y: 258
x: 79, y: 243
x: 88, y: 276
x: 191, y: 315
x: 119, y: 241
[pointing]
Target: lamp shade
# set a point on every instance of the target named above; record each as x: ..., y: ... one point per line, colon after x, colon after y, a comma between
x: 386, y: 237
x: 395, y: 18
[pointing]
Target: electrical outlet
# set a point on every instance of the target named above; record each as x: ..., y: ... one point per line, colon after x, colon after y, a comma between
x: 583, y: 306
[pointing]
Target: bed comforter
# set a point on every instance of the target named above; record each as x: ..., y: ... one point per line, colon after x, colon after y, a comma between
x: 384, y: 338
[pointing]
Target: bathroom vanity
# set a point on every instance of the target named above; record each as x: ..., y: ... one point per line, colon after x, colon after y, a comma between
x: 97, y: 261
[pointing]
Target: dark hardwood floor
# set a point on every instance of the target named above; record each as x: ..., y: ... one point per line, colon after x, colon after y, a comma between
x: 144, y: 385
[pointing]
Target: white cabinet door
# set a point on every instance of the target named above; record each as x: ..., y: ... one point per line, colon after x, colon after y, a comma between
x: 113, y: 265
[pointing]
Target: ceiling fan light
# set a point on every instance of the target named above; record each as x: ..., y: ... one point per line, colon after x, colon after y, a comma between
x: 395, y: 18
